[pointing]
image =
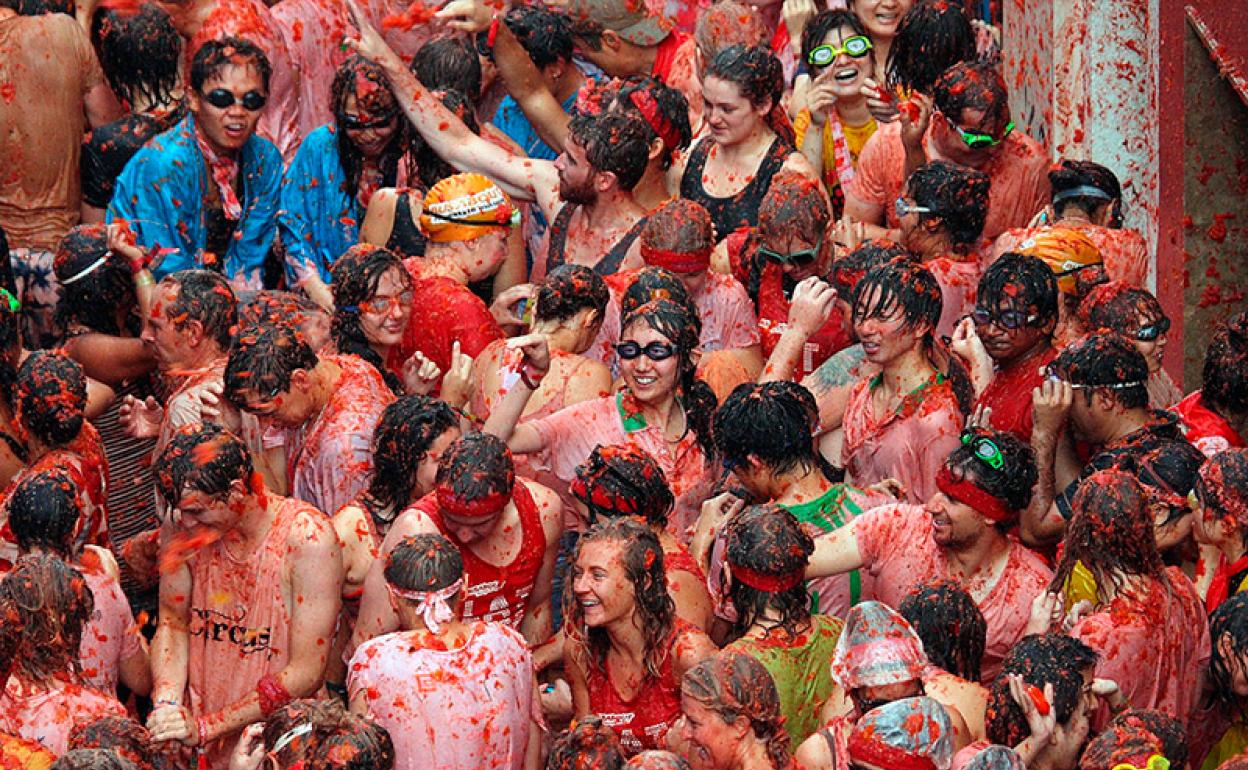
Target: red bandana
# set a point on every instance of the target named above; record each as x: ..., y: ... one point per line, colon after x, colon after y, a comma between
x: 677, y: 262
x: 967, y: 493
x: 481, y: 508
x: 770, y: 583
x: 224, y: 172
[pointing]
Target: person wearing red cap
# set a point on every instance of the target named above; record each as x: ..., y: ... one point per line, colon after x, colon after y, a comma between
x: 959, y: 534
x: 506, y: 528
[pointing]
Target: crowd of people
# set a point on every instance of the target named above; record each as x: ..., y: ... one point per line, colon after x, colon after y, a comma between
x: 590, y: 385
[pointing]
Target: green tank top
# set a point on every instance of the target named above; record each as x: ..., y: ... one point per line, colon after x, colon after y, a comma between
x: 830, y: 511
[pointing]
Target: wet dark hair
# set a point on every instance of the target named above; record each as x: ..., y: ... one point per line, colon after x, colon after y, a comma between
x: 205, y: 458
x: 1117, y: 745
x: 1224, y: 378
x: 933, y: 36
x: 642, y: 559
x: 448, y: 64
x: 12, y: 626
x: 680, y: 225
x: 55, y: 604
x: 430, y: 167
x: 215, y: 55
x: 823, y: 24
x: 614, y: 142
x: 379, y: 101
x: 1229, y: 620
x: 622, y: 473
x: 43, y: 512
x: 794, y: 206
x: 735, y: 685
x: 1170, y: 731
x: 972, y: 86
x: 654, y: 283
x: 1012, y: 483
x: 569, y: 289
x: 1110, y: 533
x: 907, y: 285
x: 545, y: 35
x: 1070, y: 174
x: 851, y: 268
x: 10, y: 343
x: 404, y: 433
x: 1019, y: 282
x: 92, y: 299
x: 950, y: 625
x: 122, y: 735
x: 1039, y: 659
x: 339, y: 740
x: 262, y: 360
x: 673, y: 107
x: 92, y: 759
x: 1172, y: 468
x: 476, y: 466
x: 51, y: 396
x: 273, y: 306
x: 767, y: 539
x: 204, y: 296
x: 424, y: 562
x: 355, y: 277
x: 1118, y: 306
x: 1105, y: 361
x: 138, y: 52
x: 587, y: 743
x: 772, y: 421
x: 760, y: 77
x: 683, y: 329
x: 957, y: 196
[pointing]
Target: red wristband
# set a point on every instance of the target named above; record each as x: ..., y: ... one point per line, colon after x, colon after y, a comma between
x: 493, y: 33
x: 273, y: 694
x: 528, y: 383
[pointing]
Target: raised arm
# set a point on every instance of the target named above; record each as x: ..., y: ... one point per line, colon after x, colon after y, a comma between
x: 505, y: 416
x: 443, y: 130
x: 836, y: 553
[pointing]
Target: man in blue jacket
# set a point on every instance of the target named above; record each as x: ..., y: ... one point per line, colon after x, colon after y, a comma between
x: 205, y: 193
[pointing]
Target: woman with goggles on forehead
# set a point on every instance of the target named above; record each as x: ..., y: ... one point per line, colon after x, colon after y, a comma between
x: 207, y: 189
x: 333, y: 176
x: 1137, y: 315
x: 662, y: 408
x: 836, y: 123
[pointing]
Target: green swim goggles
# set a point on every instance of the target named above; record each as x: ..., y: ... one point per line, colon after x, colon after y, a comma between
x: 985, y: 449
x: 857, y: 47
x: 976, y: 140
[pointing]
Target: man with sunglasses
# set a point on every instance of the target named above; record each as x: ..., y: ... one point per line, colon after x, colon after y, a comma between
x: 969, y: 125
x: 1098, y: 387
x: 960, y: 534
x: 206, y: 191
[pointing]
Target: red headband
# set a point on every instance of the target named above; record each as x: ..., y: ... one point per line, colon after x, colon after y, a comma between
x: 771, y: 583
x: 481, y: 508
x: 967, y: 493
x: 880, y: 754
x: 645, y: 103
x: 601, y: 498
x: 676, y: 261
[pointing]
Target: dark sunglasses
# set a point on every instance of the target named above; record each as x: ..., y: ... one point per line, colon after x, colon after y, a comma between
x: 655, y: 351
x: 353, y: 122
x: 1010, y: 320
x: 1154, y: 330
x: 252, y: 101
x: 795, y: 258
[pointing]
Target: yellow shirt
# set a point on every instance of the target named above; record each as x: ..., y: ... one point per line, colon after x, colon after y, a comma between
x: 855, y: 139
x: 27, y: 755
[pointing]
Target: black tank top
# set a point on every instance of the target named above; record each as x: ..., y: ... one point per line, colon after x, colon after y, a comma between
x: 740, y: 210
x: 405, y: 239
x: 609, y: 264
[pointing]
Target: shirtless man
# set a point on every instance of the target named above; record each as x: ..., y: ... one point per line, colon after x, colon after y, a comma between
x: 53, y: 88
x: 249, y: 598
x: 586, y: 193
x: 506, y: 528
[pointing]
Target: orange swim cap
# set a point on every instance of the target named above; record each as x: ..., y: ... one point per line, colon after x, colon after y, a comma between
x: 1065, y: 251
x: 465, y: 206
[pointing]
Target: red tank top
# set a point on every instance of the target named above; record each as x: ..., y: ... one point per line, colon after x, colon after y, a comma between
x: 501, y: 594
x: 643, y: 722
x: 773, y: 316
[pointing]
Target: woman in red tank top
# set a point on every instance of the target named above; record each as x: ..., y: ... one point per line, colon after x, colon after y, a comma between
x: 625, y: 650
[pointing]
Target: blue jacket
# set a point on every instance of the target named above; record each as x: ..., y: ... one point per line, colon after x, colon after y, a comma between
x: 161, y: 193
x: 318, y: 220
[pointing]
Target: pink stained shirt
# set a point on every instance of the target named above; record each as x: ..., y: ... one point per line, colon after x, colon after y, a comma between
x: 48, y: 717
x: 909, y: 445
x: 898, y: 550
x: 1154, y: 642
x: 959, y: 285
x: 461, y: 709
x: 330, y: 459
x: 1018, y: 174
x: 1124, y: 252
x: 570, y: 435
x: 111, y: 635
